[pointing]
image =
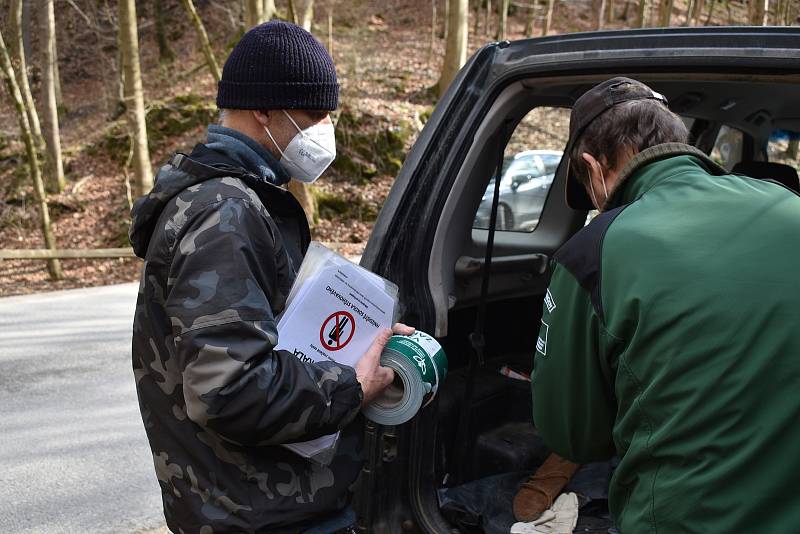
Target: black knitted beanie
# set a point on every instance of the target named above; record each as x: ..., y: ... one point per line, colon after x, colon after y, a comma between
x: 278, y: 65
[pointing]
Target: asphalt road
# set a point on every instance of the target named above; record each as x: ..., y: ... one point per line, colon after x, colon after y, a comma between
x: 73, y: 453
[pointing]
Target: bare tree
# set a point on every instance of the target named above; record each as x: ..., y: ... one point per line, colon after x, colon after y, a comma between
x: 502, y: 12
x: 610, y: 14
x: 689, y: 13
x: 762, y: 13
x: 487, y: 27
x: 165, y: 53
x: 548, y: 19
x: 601, y: 13
x: 134, y: 96
x: 666, y: 12
x: 20, y: 65
x: 253, y: 12
x: 530, y: 20
x: 641, y: 18
x: 53, y: 265
x: 269, y: 9
x: 205, y: 44
x: 52, y: 133
x: 787, y: 13
x: 304, y: 9
x: 305, y: 13
x: 455, y: 54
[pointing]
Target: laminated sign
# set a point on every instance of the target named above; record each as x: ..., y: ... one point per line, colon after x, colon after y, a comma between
x: 334, y: 313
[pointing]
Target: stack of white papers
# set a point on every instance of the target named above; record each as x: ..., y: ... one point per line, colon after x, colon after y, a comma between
x: 335, y: 315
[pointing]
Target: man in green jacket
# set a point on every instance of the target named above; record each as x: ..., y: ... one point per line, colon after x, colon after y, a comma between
x: 668, y: 330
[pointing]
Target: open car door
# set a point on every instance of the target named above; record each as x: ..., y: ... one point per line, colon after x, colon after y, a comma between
x: 505, y: 118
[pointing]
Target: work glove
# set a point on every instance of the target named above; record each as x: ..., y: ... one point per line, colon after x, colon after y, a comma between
x: 561, y: 518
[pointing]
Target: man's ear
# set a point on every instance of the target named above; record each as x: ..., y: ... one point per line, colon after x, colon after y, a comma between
x: 264, y: 118
x: 592, y: 164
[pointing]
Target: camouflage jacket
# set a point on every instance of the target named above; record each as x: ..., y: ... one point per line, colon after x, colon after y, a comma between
x: 221, y: 247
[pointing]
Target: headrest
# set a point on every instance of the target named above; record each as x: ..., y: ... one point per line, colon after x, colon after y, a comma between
x: 766, y: 170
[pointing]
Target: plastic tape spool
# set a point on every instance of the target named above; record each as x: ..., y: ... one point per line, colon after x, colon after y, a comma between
x: 420, y: 366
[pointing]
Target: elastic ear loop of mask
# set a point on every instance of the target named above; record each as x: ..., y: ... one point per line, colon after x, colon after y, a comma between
x: 266, y: 129
x: 308, y: 137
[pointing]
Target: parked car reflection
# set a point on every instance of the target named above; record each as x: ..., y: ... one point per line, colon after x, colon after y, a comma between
x: 524, y: 185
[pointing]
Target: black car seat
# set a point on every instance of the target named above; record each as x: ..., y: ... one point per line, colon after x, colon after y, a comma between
x: 763, y: 170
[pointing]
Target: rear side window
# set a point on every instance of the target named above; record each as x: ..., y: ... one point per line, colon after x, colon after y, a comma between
x: 727, y: 149
x: 783, y: 148
x: 529, y: 166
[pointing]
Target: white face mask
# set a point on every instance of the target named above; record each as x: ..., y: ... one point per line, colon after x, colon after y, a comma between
x: 309, y: 152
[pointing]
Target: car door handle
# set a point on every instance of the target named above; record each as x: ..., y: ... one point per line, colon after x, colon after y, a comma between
x: 468, y: 266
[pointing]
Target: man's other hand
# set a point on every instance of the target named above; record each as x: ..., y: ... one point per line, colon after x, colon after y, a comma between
x: 370, y: 374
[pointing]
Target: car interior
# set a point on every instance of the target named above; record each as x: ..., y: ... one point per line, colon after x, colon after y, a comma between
x: 747, y: 123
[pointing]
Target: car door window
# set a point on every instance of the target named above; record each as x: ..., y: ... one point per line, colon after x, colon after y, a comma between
x: 529, y: 165
x: 784, y: 147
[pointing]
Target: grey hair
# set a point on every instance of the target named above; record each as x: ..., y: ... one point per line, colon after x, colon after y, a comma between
x: 630, y: 126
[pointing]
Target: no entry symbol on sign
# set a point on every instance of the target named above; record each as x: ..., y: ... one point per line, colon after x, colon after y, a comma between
x: 337, y: 330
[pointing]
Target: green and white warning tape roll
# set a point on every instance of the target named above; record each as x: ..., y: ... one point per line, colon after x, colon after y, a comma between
x: 420, y: 366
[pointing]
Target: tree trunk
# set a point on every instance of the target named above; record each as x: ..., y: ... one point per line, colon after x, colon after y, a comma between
x: 53, y: 266
x: 626, y: 10
x: 165, y: 53
x: 697, y: 11
x: 269, y: 9
x: 305, y: 13
x: 689, y: 11
x: 254, y: 13
x: 763, y: 12
x: 530, y: 22
x: 134, y: 96
x: 52, y: 133
x: 19, y: 61
x: 302, y: 192
x: 548, y: 19
x: 610, y: 14
x: 641, y: 20
x: 502, y: 15
x: 666, y: 12
x: 446, y: 27
x: 208, y: 52
x: 711, y: 5
x: 601, y: 14
x: 487, y: 27
x: 291, y: 12
x: 330, y: 27
x: 455, y: 54
x: 305, y: 196
x: 433, y: 30
x: 57, y: 74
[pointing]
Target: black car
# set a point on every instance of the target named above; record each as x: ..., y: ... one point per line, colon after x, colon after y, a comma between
x: 737, y: 89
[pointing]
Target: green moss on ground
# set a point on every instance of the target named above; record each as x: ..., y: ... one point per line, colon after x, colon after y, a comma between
x: 165, y: 120
x: 369, y: 145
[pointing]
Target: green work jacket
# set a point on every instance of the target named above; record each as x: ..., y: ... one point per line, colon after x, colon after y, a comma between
x: 670, y: 337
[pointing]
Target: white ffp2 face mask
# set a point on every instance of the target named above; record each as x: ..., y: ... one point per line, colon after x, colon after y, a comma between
x: 309, y: 152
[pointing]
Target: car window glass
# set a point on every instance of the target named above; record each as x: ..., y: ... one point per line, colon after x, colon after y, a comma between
x: 529, y: 165
x: 783, y: 148
x: 727, y: 149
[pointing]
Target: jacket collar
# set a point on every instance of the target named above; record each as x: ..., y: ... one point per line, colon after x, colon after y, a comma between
x: 247, y: 152
x: 657, y: 164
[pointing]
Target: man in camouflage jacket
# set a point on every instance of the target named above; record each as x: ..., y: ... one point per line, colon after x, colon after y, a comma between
x: 222, y: 243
